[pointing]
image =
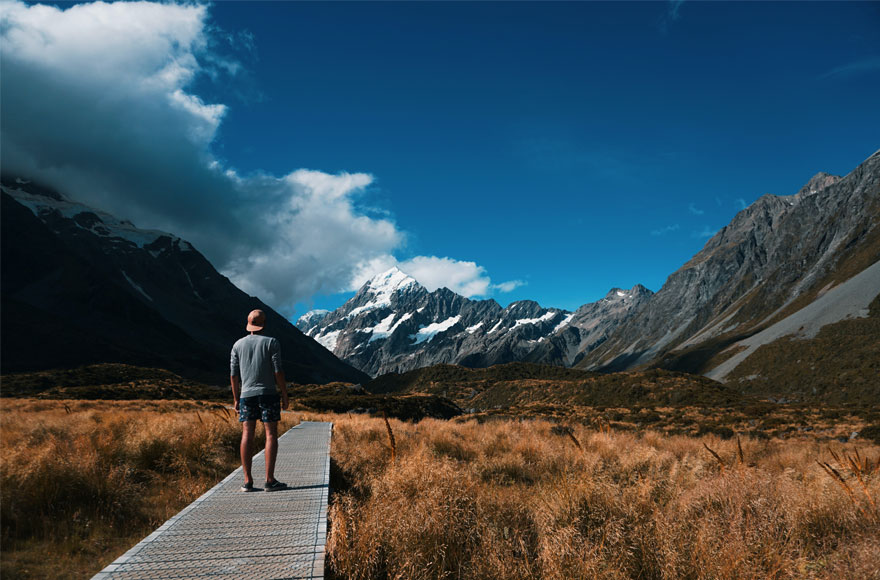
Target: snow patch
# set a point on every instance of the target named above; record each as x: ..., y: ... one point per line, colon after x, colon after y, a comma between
x: 364, y: 308
x: 523, y: 321
x: 474, y: 328
x: 426, y: 333
x: 329, y: 340
x: 389, y: 282
x: 382, y: 288
x: 191, y: 285
x: 385, y: 329
x: 136, y: 286
x: 311, y: 314
x: 563, y: 324
x: 108, y: 226
x: 496, y: 327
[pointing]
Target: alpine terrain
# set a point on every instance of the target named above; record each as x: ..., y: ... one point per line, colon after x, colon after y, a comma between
x: 786, y: 272
x: 394, y: 324
x: 789, y: 288
x: 80, y: 286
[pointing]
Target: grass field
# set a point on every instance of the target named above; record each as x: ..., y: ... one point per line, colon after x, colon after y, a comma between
x: 82, y: 481
x: 534, y: 499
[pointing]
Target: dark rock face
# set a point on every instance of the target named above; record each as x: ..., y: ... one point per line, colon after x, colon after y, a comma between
x: 80, y: 286
x: 393, y: 324
x: 779, y: 250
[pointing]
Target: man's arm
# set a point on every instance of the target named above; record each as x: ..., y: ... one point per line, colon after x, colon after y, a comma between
x: 236, y: 389
x: 282, y: 386
x: 279, y: 372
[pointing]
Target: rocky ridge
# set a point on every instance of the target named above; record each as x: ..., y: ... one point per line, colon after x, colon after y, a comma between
x: 776, y: 256
x: 394, y: 324
x: 80, y: 286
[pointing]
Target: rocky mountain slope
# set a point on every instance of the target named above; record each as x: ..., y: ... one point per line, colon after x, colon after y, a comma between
x: 393, y: 324
x: 80, y: 286
x: 772, y: 261
x: 785, y: 266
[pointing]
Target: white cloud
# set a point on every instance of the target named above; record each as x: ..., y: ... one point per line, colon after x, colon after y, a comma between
x: 742, y: 203
x: 97, y: 102
x: 315, y: 238
x: 509, y: 286
x: 672, y: 14
x: 465, y: 278
x: 664, y: 231
x: 695, y: 210
x: 706, y: 232
x: 865, y: 66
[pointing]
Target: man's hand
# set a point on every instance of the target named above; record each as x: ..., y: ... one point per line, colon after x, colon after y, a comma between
x: 282, y: 387
x: 235, y: 382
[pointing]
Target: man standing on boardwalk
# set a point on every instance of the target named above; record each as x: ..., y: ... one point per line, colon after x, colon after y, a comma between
x: 255, y: 371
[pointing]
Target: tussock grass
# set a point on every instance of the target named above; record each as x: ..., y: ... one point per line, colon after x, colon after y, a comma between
x: 85, y: 480
x: 530, y: 499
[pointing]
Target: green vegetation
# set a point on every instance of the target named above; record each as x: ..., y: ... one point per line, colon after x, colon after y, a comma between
x: 126, y: 382
x: 108, y: 381
x: 840, y: 366
x: 343, y: 398
x: 518, y: 384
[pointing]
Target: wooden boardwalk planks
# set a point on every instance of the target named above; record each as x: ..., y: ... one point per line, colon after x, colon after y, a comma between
x: 230, y: 534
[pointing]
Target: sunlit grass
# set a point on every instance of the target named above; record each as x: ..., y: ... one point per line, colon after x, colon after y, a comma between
x: 82, y: 481
x: 522, y: 499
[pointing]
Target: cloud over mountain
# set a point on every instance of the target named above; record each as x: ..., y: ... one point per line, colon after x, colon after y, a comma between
x: 98, y: 100
x: 462, y: 277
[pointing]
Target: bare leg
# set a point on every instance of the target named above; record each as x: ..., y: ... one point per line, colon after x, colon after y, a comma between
x: 247, y: 449
x: 271, y: 449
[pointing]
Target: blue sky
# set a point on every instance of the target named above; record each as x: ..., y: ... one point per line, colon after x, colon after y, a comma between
x: 546, y: 151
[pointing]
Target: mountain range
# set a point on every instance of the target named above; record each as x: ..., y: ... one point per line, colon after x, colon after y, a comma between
x: 786, y: 266
x: 785, y: 297
x: 394, y: 324
x: 80, y: 286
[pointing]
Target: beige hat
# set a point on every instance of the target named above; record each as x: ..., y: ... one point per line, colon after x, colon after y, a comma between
x: 256, y: 321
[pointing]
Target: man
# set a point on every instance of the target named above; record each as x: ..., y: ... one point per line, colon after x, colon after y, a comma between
x: 255, y: 371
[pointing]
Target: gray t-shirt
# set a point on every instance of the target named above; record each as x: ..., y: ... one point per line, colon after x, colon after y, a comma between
x: 256, y: 359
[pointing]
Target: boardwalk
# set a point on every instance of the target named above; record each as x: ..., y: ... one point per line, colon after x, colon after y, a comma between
x: 230, y: 534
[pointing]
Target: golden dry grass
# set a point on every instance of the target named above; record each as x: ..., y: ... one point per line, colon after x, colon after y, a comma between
x: 519, y: 499
x: 82, y: 481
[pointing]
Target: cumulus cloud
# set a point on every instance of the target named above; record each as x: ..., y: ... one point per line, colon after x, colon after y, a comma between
x: 465, y: 278
x: 95, y: 104
x: 314, y: 237
x: 98, y: 103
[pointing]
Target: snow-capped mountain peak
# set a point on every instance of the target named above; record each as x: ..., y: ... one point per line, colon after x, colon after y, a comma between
x: 100, y: 223
x: 312, y: 318
x: 389, y: 282
x: 393, y: 324
x: 380, y: 291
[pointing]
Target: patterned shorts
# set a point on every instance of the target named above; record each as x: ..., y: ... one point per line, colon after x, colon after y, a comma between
x: 266, y: 408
